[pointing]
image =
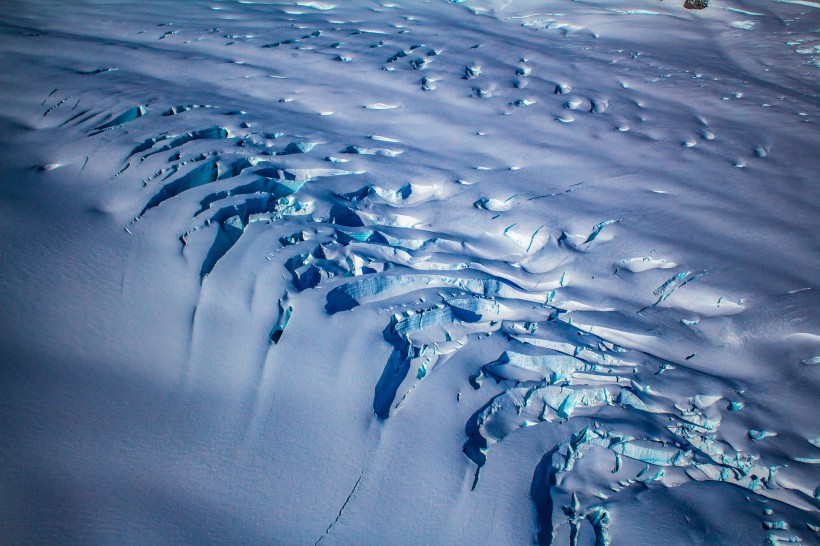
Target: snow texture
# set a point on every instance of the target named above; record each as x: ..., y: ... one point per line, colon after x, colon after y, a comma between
x: 409, y: 272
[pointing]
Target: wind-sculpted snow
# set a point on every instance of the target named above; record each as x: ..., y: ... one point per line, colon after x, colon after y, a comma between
x: 568, y: 372
x: 498, y: 193
x: 370, y: 237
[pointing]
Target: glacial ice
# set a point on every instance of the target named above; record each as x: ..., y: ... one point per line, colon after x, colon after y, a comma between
x: 203, y: 174
x: 363, y: 291
x: 212, y: 133
x: 129, y: 115
x: 604, y: 387
x: 285, y: 311
x: 550, y: 368
x: 671, y: 285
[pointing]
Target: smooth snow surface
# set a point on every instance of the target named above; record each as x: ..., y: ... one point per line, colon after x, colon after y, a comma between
x: 408, y: 272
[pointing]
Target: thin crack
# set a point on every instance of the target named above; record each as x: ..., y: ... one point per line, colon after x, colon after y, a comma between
x: 342, y: 509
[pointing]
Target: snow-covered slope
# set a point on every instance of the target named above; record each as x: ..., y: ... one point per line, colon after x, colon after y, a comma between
x: 503, y: 272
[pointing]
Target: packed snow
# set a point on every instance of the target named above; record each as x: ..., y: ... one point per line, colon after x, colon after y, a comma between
x: 410, y: 272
